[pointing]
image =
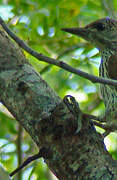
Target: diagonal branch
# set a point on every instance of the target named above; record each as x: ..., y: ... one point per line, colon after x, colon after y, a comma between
x: 55, y: 62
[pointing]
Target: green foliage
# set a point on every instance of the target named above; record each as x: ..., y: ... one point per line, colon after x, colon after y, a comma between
x: 39, y: 23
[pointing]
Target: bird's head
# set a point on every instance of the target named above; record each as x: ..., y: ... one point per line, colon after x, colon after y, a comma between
x: 101, y: 33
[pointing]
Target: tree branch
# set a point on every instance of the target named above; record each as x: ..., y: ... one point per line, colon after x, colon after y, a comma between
x: 49, y: 122
x: 55, y: 62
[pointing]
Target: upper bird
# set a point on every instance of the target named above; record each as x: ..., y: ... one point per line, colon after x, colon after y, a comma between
x: 103, y: 34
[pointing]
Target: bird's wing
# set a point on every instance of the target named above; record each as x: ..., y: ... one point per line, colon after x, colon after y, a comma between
x: 112, y: 67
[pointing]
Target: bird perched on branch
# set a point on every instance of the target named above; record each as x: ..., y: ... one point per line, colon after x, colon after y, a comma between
x: 103, y: 34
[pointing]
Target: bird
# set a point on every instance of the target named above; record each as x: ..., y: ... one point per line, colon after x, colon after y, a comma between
x: 102, y: 34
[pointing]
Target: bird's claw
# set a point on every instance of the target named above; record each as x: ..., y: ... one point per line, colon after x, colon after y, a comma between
x: 73, y: 107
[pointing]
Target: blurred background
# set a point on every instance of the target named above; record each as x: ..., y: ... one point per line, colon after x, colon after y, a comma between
x: 39, y: 23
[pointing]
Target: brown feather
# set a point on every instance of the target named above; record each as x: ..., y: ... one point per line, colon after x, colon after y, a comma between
x: 112, y: 67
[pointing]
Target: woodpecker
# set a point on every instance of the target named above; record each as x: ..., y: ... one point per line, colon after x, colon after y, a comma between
x: 103, y: 35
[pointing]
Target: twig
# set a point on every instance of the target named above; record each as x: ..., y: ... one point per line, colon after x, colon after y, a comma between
x: 55, y: 62
x: 107, y: 127
x: 25, y: 163
x: 44, y: 152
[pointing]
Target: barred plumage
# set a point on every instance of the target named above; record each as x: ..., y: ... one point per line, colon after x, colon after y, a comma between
x: 109, y: 93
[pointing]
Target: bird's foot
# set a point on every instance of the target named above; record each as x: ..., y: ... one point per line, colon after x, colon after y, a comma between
x: 73, y: 107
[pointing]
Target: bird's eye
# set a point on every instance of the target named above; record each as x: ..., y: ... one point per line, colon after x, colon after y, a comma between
x: 99, y: 26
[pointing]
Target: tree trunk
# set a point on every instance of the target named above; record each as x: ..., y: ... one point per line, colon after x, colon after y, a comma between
x: 49, y: 122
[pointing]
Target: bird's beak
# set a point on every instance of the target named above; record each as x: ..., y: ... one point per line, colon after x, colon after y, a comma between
x: 82, y: 32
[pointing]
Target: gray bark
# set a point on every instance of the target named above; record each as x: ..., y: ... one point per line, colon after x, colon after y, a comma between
x: 49, y: 122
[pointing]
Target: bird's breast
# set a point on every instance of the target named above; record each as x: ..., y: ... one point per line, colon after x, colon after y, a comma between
x: 108, y: 93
